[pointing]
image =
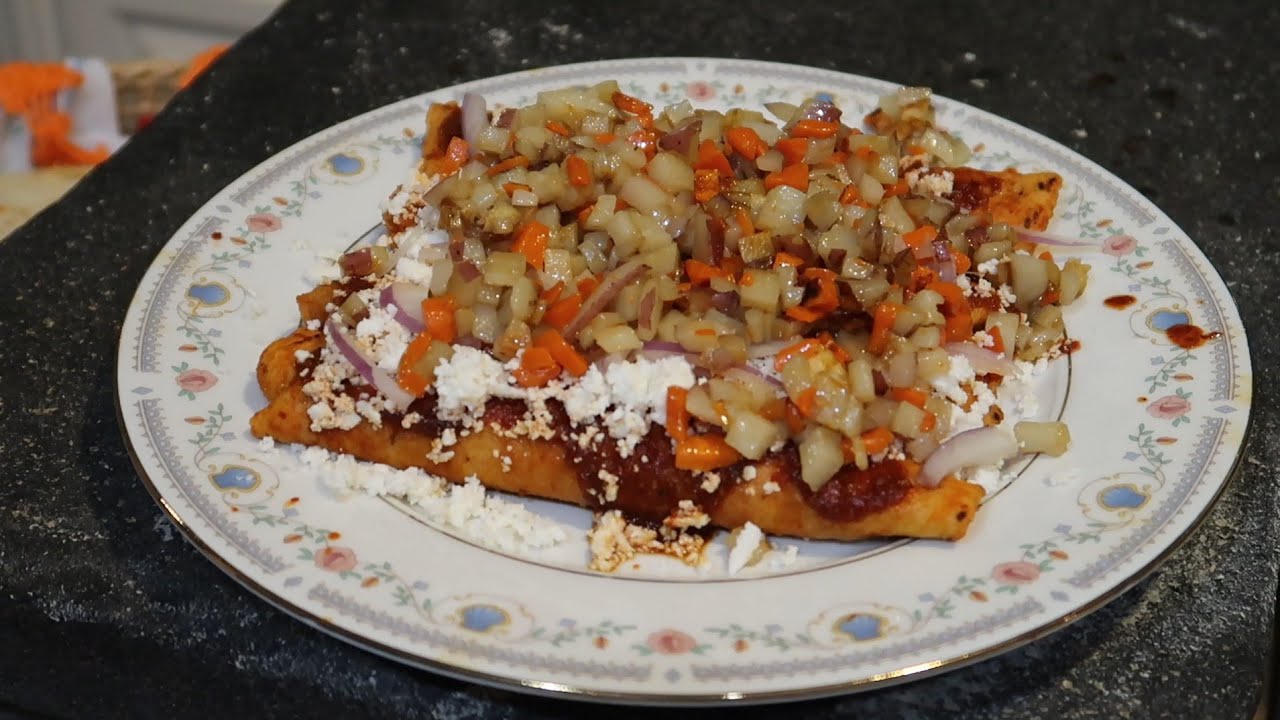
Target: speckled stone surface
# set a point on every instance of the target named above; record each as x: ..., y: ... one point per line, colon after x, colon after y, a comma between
x: 106, y: 612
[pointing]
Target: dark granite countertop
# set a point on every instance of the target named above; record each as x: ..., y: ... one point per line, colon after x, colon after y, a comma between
x: 104, y: 611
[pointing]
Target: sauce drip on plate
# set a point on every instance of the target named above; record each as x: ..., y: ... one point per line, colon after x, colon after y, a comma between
x: 1189, y: 337
x: 1119, y: 302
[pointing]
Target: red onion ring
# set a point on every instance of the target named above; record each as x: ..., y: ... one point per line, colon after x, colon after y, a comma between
x: 1044, y: 238
x: 407, y: 299
x: 982, y: 446
x: 374, y: 375
x: 982, y: 360
x: 475, y: 116
x: 609, y: 288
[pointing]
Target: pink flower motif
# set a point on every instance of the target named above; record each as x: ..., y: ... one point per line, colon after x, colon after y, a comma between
x: 1019, y: 572
x: 335, y: 558
x: 196, y: 380
x: 1118, y: 245
x: 699, y: 90
x: 671, y: 642
x: 263, y: 222
x: 1169, y: 406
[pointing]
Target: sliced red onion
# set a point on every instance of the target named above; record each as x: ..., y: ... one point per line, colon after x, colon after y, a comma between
x: 1044, y: 238
x: 681, y: 139
x: 609, y: 288
x: 813, y: 109
x: 753, y: 371
x: 982, y: 360
x: 726, y: 302
x: 982, y: 446
x: 647, y: 304
x: 368, y: 369
x: 506, y: 118
x: 407, y: 299
x: 474, y: 117
x: 466, y: 270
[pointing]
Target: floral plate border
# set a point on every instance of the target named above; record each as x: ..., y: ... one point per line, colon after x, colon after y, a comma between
x: 1081, y: 530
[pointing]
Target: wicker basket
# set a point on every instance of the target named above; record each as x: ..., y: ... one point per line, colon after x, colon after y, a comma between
x: 143, y: 87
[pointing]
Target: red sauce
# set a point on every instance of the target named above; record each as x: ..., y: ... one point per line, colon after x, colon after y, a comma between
x: 1070, y: 346
x: 1119, y: 302
x: 1189, y: 337
x: 852, y: 493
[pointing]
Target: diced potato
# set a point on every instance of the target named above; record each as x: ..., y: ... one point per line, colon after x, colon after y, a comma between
x: 504, y: 268
x: 907, y: 420
x: 1050, y: 438
x: 618, y: 339
x: 759, y: 289
x: 750, y: 434
x: 671, y: 172
x: 821, y: 455
x: 1029, y: 277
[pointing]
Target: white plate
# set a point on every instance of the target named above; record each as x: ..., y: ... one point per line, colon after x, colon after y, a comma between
x: 1156, y: 431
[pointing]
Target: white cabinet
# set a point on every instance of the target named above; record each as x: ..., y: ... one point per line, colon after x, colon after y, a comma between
x: 123, y: 29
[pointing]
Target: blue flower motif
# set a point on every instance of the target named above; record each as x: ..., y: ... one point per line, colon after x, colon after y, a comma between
x: 567, y: 622
x: 1062, y: 529
x: 1131, y: 455
x: 235, y: 477
x: 672, y: 675
x: 245, y: 264
x: 313, y: 195
x: 926, y: 597
x: 214, y: 332
x: 295, y: 580
x: 228, y: 436
x: 1122, y: 496
x: 1135, y: 287
x: 862, y: 626
x: 208, y: 293
x: 1059, y: 596
x: 1157, y: 360
x: 772, y: 628
x: 290, y: 512
x: 482, y: 618
x: 419, y: 585
x: 140, y: 390
x: 1225, y: 409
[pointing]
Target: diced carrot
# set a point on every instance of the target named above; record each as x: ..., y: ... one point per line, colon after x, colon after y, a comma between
x: 793, y: 149
x: 710, y: 158
x: 510, y: 188
x: 705, y: 332
x: 1046, y: 255
x: 585, y: 213
x: 997, y: 339
x: 743, y: 219
x: 455, y: 156
x: 565, y: 354
x: 562, y: 311
x: 786, y: 258
x: 1050, y: 296
x: 915, y: 150
x: 706, y: 184
x: 578, y: 171
x: 588, y: 285
x: 920, y: 239
x: 705, y: 452
x: 814, y: 129
x: 800, y: 313
x: 406, y: 377
x: 921, y: 278
x: 645, y: 140
x: 881, y: 325
x: 438, y: 316
x: 641, y: 109
x: 836, y: 158
x: 841, y: 354
x: 956, y: 309
x: 896, y: 189
x: 796, y: 176
x: 805, y: 346
x: 828, y: 297
x: 701, y: 273
x: 851, y: 196
x: 531, y: 242
x: 511, y: 163
x: 909, y: 395
x: 929, y: 422
x: 746, y: 142
x: 808, y: 402
x: 747, y: 280
x: 963, y: 263
x: 677, y: 412
x: 552, y: 293
x: 731, y: 265
x: 876, y: 441
x: 1025, y: 246
x: 558, y: 128
x: 866, y: 154
x: 537, y: 368
x: 605, y: 138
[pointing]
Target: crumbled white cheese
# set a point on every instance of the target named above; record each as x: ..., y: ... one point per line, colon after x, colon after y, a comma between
x: 936, y: 184
x: 301, y: 356
x: 313, y: 324
x: 983, y: 339
x: 1006, y: 295
x: 381, y: 337
x: 466, y: 381
x: 749, y: 473
x: 267, y: 444
x: 747, y: 541
x: 771, y: 487
x: 782, y: 559
x: 411, y: 270
x: 989, y: 267
x: 951, y: 385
